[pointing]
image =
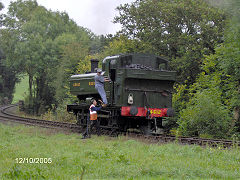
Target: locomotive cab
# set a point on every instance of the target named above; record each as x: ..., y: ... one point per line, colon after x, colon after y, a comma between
x: 137, y: 79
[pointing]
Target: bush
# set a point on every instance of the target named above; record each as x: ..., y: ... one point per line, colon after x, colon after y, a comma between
x: 205, y: 115
x: 59, y: 113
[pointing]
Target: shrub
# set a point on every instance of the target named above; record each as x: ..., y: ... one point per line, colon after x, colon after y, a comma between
x: 59, y: 113
x: 205, y: 115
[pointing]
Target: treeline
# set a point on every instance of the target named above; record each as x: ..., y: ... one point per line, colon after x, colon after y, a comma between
x: 46, y: 46
x: 200, y: 39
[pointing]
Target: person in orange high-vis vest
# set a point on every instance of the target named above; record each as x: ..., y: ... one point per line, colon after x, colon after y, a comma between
x: 93, y: 119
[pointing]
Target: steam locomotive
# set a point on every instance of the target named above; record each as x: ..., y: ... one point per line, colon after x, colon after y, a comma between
x: 139, y: 93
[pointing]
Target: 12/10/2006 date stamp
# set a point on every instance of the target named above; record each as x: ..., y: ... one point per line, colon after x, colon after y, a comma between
x: 33, y: 160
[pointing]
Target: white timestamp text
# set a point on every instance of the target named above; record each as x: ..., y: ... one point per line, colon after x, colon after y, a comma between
x: 33, y: 160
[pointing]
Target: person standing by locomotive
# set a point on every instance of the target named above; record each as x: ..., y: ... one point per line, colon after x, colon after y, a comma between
x: 99, y: 85
x: 93, y: 119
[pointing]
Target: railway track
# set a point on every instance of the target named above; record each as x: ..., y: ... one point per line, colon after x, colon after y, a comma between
x: 9, y: 117
x: 161, y: 138
x: 156, y: 138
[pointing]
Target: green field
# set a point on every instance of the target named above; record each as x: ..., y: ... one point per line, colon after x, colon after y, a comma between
x: 21, y: 90
x: 70, y: 157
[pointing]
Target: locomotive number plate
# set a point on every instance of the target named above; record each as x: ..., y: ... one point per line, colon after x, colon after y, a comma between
x: 155, y: 111
x: 76, y: 84
x: 91, y: 83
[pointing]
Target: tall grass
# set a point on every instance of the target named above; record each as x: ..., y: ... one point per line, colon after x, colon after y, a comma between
x: 108, y: 158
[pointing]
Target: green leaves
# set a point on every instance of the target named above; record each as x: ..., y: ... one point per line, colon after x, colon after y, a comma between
x: 206, y: 115
x: 217, y: 88
x: 182, y: 30
x: 1, y: 6
x: 46, y: 46
x: 122, y: 44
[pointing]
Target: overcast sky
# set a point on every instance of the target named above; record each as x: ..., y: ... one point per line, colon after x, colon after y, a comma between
x: 96, y: 15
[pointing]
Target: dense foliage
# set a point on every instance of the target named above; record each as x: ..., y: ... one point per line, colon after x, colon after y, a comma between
x: 183, y: 30
x: 219, y: 85
x: 8, y: 76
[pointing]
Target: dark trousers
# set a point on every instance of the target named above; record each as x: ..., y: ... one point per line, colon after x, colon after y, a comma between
x: 90, y: 125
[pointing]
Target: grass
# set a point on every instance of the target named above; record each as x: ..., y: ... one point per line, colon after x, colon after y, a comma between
x: 21, y: 90
x: 107, y: 158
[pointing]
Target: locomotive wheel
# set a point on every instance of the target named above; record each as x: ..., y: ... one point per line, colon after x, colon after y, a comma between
x: 81, y: 120
x: 114, y: 132
x: 145, y: 130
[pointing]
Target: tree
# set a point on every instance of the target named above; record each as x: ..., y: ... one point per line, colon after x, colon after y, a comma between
x: 18, y: 14
x: 220, y: 80
x: 229, y: 60
x: 8, y: 75
x: 31, y: 38
x: 1, y: 7
x: 73, y: 48
x: 183, y: 30
x: 122, y: 44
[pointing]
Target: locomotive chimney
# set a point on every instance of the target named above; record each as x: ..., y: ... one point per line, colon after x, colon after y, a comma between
x: 94, y: 65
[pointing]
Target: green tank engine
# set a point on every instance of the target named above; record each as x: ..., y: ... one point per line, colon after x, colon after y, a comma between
x: 139, y: 93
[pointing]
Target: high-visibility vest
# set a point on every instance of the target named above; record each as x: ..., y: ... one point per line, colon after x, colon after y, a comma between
x: 93, y: 114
